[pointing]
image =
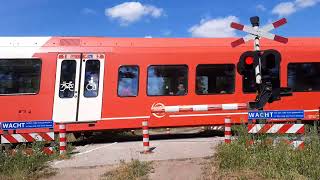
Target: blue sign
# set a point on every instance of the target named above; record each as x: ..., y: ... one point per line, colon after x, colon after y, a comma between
x: 286, y: 114
x: 26, y: 125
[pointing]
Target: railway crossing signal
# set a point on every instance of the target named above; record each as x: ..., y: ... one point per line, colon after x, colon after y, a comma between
x: 256, y: 33
x: 261, y: 66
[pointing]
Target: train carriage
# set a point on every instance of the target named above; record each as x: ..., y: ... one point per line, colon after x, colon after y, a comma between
x: 101, y: 83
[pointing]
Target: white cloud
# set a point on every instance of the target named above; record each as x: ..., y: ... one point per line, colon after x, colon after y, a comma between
x: 219, y: 27
x: 306, y: 3
x: 88, y: 11
x: 130, y: 12
x: 284, y: 9
x: 261, y: 7
x: 288, y: 8
x: 148, y: 36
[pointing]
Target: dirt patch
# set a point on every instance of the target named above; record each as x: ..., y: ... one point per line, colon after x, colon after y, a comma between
x: 183, y: 169
x: 81, y: 173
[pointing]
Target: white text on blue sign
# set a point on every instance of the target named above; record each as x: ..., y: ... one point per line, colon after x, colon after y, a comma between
x: 26, y: 125
x: 289, y: 114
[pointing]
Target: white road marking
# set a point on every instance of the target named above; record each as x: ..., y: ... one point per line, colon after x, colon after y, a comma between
x: 95, y: 149
x: 58, y: 162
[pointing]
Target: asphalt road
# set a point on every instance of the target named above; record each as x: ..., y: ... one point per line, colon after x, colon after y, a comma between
x: 113, y: 153
x: 180, y: 155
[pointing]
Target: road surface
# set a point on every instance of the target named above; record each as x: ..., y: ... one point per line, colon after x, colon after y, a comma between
x: 169, y: 157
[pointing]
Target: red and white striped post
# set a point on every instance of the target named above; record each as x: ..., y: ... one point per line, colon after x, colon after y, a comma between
x: 227, y: 130
x: 145, y: 139
x: 62, y: 139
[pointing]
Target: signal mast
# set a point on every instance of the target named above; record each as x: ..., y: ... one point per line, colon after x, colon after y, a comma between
x: 264, y: 66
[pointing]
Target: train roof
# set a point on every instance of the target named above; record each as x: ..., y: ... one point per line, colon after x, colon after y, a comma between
x: 59, y: 41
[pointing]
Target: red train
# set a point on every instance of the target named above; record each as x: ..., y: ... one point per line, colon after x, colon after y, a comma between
x: 97, y: 83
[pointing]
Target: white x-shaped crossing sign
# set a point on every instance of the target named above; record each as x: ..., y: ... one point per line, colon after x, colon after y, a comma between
x: 256, y: 32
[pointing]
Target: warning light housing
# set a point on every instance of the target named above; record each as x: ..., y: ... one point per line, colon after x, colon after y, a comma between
x: 246, y: 62
x: 270, y: 89
x: 271, y: 62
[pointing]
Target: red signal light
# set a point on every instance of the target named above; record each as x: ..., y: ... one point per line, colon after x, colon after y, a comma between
x: 249, y: 60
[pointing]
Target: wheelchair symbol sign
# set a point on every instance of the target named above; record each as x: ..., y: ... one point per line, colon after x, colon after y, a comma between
x: 91, y: 86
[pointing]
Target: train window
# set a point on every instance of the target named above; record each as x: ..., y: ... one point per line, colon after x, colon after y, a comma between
x: 67, y: 78
x: 215, y: 79
x: 167, y: 80
x: 304, y: 76
x: 128, y: 80
x: 91, y: 81
x: 19, y: 76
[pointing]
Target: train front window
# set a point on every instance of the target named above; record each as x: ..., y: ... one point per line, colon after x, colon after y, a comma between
x: 91, y: 81
x: 19, y: 76
x: 304, y: 76
x: 167, y: 80
x: 67, y: 78
x: 215, y: 79
x: 128, y: 81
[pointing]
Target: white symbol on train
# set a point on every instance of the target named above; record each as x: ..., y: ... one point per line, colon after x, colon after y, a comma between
x: 67, y: 86
x: 158, y: 105
x: 91, y: 86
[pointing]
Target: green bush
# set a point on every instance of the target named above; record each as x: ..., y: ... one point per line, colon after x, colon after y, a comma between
x: 25, y: 163
x: 269, y: 160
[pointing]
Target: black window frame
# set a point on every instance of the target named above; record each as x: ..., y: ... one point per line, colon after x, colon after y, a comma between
x: 300, y: 63
x: 234, y: 82
x: 138, y: 82
x: 74, y: 77
x: 40, y: 77
x: 187, y: 81
x: 85, y: 70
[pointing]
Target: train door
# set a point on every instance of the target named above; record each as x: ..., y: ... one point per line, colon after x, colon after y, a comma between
x: 78, y: 87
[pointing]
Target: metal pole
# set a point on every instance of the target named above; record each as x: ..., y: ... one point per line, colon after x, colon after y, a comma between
x: 255, y: 24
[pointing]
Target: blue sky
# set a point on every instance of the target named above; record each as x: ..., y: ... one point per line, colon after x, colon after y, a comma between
x: 155, y: 18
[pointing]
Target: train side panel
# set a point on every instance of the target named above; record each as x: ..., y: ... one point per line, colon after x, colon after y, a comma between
x: 32, y: 107
x: 128, y: 112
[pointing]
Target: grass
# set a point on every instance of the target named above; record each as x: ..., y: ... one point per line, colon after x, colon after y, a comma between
x: 25, y: 163
x: 134, y: 170
x: 266, y: 160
